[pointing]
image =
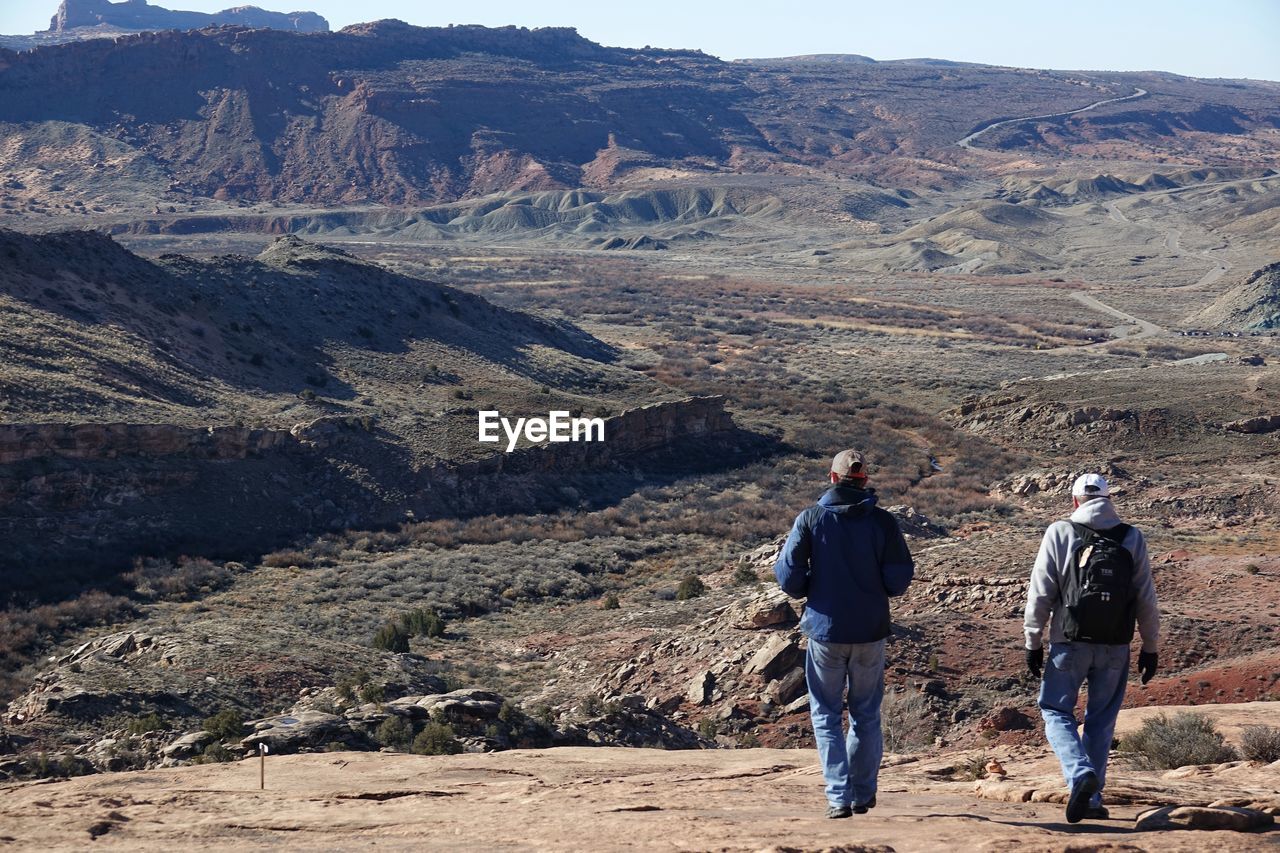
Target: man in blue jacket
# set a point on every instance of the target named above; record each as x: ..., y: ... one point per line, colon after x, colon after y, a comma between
x: 849, y: 557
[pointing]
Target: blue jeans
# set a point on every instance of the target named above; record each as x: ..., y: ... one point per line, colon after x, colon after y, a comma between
x: 1106, y: 669
x: 850, y: 764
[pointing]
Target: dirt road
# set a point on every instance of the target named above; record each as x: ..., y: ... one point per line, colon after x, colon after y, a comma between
x: 967, y: 142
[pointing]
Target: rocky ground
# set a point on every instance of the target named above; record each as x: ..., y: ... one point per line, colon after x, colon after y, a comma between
x: 589, y: 798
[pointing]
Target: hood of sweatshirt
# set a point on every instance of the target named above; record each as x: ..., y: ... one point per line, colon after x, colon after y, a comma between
x: 848, y: 500
x: 1099, y: 513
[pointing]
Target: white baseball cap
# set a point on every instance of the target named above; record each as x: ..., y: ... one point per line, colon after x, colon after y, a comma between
x: 1090, y: 486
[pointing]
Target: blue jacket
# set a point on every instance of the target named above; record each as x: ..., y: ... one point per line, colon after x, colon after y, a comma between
x: 848, y: 556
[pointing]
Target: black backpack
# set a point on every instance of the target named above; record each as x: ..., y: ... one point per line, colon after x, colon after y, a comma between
x: 1099, y: 601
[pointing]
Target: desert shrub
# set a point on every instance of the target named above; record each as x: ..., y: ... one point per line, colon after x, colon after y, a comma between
x: 1260, y: 743
x: 144, y: 724
x: 395, y: 732
x: 972, y: 768
x: 284, y: 559
x: 26, y: 630
x: 510, y: 714
x: 690, y: 587
x: 423, y: 623
x: 1166, y: 742
x: 707, y: 728
x: 373, y: 692
x: 906, y: 722
x: 189, y: 578
x: 744, y: 574
x: 227, y: 724
x: 437, y: 738
x: 545, y: 715
x: 391, y: 637
x: 610, y: 602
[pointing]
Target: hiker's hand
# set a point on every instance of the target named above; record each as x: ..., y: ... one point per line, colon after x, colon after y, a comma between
x: 1147, y: 665
x: 1035, y: 661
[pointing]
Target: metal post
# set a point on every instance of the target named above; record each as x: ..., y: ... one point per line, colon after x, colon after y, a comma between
x: 262, y: 767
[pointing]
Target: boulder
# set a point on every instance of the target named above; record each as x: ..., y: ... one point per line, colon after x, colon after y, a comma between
x: 764, y: 610
x: 1202, y: 817
x: 700, y: 687
x: 309, y: 729
x: 464, y: 706
x: 914, y: 524
x: 775, y: 658
x: 783, y: 690
x: 188, y: 746
x: 1005, y: 720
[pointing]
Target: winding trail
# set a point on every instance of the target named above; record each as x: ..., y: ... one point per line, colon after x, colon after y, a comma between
x: 967, y: 142
x: 1173, y: 242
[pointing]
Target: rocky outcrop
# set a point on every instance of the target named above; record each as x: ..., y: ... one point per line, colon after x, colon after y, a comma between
x: 140, y: 15
x: 1254, y: 426
x: 77, y: 497
x: 22, y: 442
x: 1203, y: 817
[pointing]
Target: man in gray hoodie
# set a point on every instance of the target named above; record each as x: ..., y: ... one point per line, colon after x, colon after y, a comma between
x: 1091, y: 582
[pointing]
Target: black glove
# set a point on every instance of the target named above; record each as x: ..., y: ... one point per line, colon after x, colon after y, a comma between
x: 1035, y: 661
x: 1147, y: 665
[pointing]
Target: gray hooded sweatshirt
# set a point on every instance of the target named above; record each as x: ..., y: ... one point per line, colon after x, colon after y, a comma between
x: 1055, y: 551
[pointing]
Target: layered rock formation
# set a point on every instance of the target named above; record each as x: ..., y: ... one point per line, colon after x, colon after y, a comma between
x: 23, y: 442
x: 140, y: 15
x: 77, y: 497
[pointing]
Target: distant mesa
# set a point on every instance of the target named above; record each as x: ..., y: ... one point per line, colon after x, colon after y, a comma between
x: 140, y: 15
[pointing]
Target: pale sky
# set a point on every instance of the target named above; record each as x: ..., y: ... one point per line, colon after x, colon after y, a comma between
x: 1223, y: 38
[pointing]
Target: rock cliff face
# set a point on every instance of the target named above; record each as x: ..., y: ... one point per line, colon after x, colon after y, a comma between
x: 139, y: 15
x: 79, y: 499
x: 399, y: 115
x: 23, y: 442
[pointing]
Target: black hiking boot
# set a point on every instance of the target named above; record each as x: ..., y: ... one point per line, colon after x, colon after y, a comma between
x: 865, y: 807
x: 838, y: 811
x: 1098, y: 812
x: 1081, y: 793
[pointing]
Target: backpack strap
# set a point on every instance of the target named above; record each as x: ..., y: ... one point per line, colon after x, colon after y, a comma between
x: 1116, y: 534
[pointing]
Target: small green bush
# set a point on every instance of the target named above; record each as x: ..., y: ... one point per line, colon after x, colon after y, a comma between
x: 1260, y: 743
x: 395, y: 732
x: 545, y: 714
x: 437, y: 739
x: 1167, y: 742
x: 690, y: 587
x: 423, y: 623
x: 610, y: 602
x: 227, y: 724
x: 373, y: 692
x: 708, y: 728
x: 745, y: 575
x: 592, y: 705
x: 391, y: 637
x: 148, y: 723
x: 510, y: 714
